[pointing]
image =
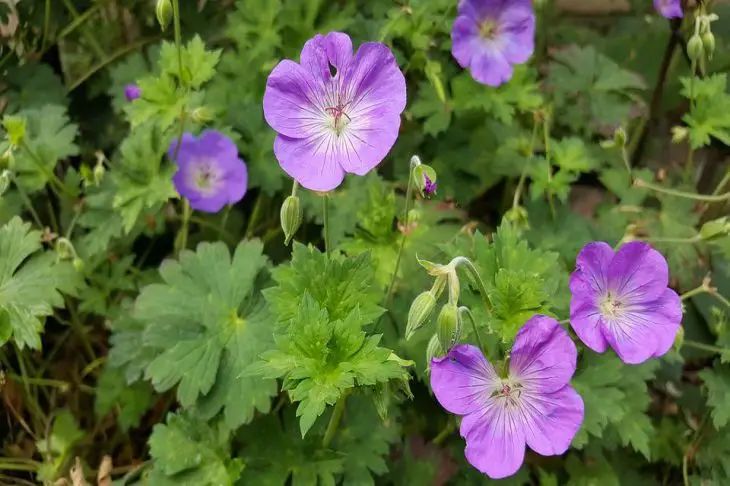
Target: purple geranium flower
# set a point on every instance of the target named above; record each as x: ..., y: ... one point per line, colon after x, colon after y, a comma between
x: 210, y: 174
x: 671, y: 9
x: 429, y: 187
x: 490, y: 36
x: 533, y: 405
x: 621, y: 299
x: 132, y: 92
x: 334, y: 112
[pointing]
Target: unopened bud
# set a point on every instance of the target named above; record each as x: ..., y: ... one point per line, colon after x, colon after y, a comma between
x: 679, y: 134
x: 7, y: 159
x: 518, y: 217
x: 99, y: 172
x: 708, y: 42
x: 65, y: 249
x: 163, y: 10
x: 78, y: 264
x: 420, y: 310
x: 291, y: 217
x: 449, y: 326
x: 202, y: 114
x: 425, y: 178
x: 715, y: 229
x: 619, y: 137
x: 433, y: 350
x: 679, y: 339
x: 5, y: 179
x: 695, y: 48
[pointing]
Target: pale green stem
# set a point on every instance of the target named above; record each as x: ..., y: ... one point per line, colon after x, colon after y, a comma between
x: 546, y: 140
x: 478, y: 278
x: 722, y: 184
x: 480, y: 343
x: 705, y: 347
x: 523, y: 175
x: 335, y: 420
x: 687, y: 195
x: 326, y: 218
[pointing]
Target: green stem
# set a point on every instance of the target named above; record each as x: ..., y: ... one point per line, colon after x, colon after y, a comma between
x: 182, y: 239
x: 687, y: 195
x: 693, y: 239
x: 478, y: 278
x: 77, y: 21
x: 52, y: 178
x: 79, y: 329
x: 546, y: 141
x: 691, y: 293
x: 523, y: 175
x: 326, y: 217
x: 722, y: 184
x: 28, y: 203
x: 335, y: 420
x: 46, y: 25
x: 705, y: 347
x: 95, y: 46
x: 178, y: 35
x: 480, y: 343
x: 444, y: 434
x: 251, y: 224
x: 401, y: 246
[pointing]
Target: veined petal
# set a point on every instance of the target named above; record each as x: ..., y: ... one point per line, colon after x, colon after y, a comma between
x: 489, y: 66
x: 667, y: 316
x: 463, y: 380
x: 313, y: 162
x: 465, y: 41
x: 294, y: 101
x: 321, y: 51
x: 631, y: 336
x: 543, y: 357
x: 481, y: 9
x: 586, y: 321
x: 495, y: 441
x: 367, y: 140
x: 551, y: 420
x: 638, y: 273
x: 591, y: 269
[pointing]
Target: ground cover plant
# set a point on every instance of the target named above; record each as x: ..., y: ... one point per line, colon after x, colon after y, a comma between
x: 357, y: 242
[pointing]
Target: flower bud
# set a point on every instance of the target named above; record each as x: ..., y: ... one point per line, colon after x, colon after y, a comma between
x: 679, y: 134
x: 164, y: 13
x: 695, y: 48
x: 449, y: 326
x: 78, y: 264
x: 619, y: 137
x: 715, y: 229
x: 708, y: 42
x: 202, y: 114
x: 65, y: 249
x: 679, y: 339
x: 99, y: 172
x: 425, y: 178
x: 291, y: 217
x: 132, y: 92
x: 518, y: 217
x: 419, y: 312
x: 5, y: 178
x: 433, y: 349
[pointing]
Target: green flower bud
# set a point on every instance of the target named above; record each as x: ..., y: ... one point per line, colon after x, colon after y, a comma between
x: 695, y: 48
x: 291, y: 217
x: 425, y: 179
x: 619, y: 137
x: 65, y: 249
x: 164, y: 13
x: 708, y: 42
x: 202, y: 114
x: 433, y: 350
x: 78, y: 264
x: 518, y: 217
x: 99, y: 171
x: 5, y: 179
x: 420, y: 310
x: 715, y: 229
x: 679, y: 134
x: 449, y: 326
x: 679, y: 339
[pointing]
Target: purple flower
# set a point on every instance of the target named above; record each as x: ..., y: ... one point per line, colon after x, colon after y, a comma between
x: 490, y: 36
x: 532, y: 405
x: 210, y: 174
x: 334, y: 112
x: 671, y: 9
x: 429, y: 187
x: 621, y: 299
x: 132, y: 92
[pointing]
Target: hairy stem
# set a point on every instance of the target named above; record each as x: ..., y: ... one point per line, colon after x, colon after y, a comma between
x: 711, y: 198
x: 326, y: 218
x: 335, y: 420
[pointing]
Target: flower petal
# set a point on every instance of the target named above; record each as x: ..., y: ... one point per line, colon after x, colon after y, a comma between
x: 481, y: 9
x: 236, y: 181
x: 517, y: 32
x: 543, y: 357
x: 586, y: 321
x: 632, y: 337
x: 667, y: 318
x: 552, y: 420
x: 638, y: 273
x: 293, y: 101
x: 489, y: 66
x: 321, y: 51
x: 313, y: 162
x: 188, y: 149
x: 463, y: 379
x: 215, y: 142
x: 495, y: 441
x: 591, y: 269
x: 671, y: 9
x: 465, y: 41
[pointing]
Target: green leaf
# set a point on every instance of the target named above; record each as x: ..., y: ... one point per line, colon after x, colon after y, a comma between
x: 285, y: 454
x: 208, y: 324
x: 616, y: 398
x: 710, y: 113
x: 338, y: 284
x: 30, y: 281
x: 717, y: 382
x: 435, y: 113
x: 143, y: 181
x: 49, y: 137
x: 320, y: 359
x: 129, y: 401
x: 187, y: 452
x: 58, y: 446
x: 198, y: 64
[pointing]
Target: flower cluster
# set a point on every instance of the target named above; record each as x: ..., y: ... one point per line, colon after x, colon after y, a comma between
x: 619, y: 299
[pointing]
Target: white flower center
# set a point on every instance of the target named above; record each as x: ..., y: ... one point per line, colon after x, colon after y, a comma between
x: 338, y: 117
x: 508, y: 392
x: 205, y: 177
x: 611, y: 307
x: 488, y: 29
